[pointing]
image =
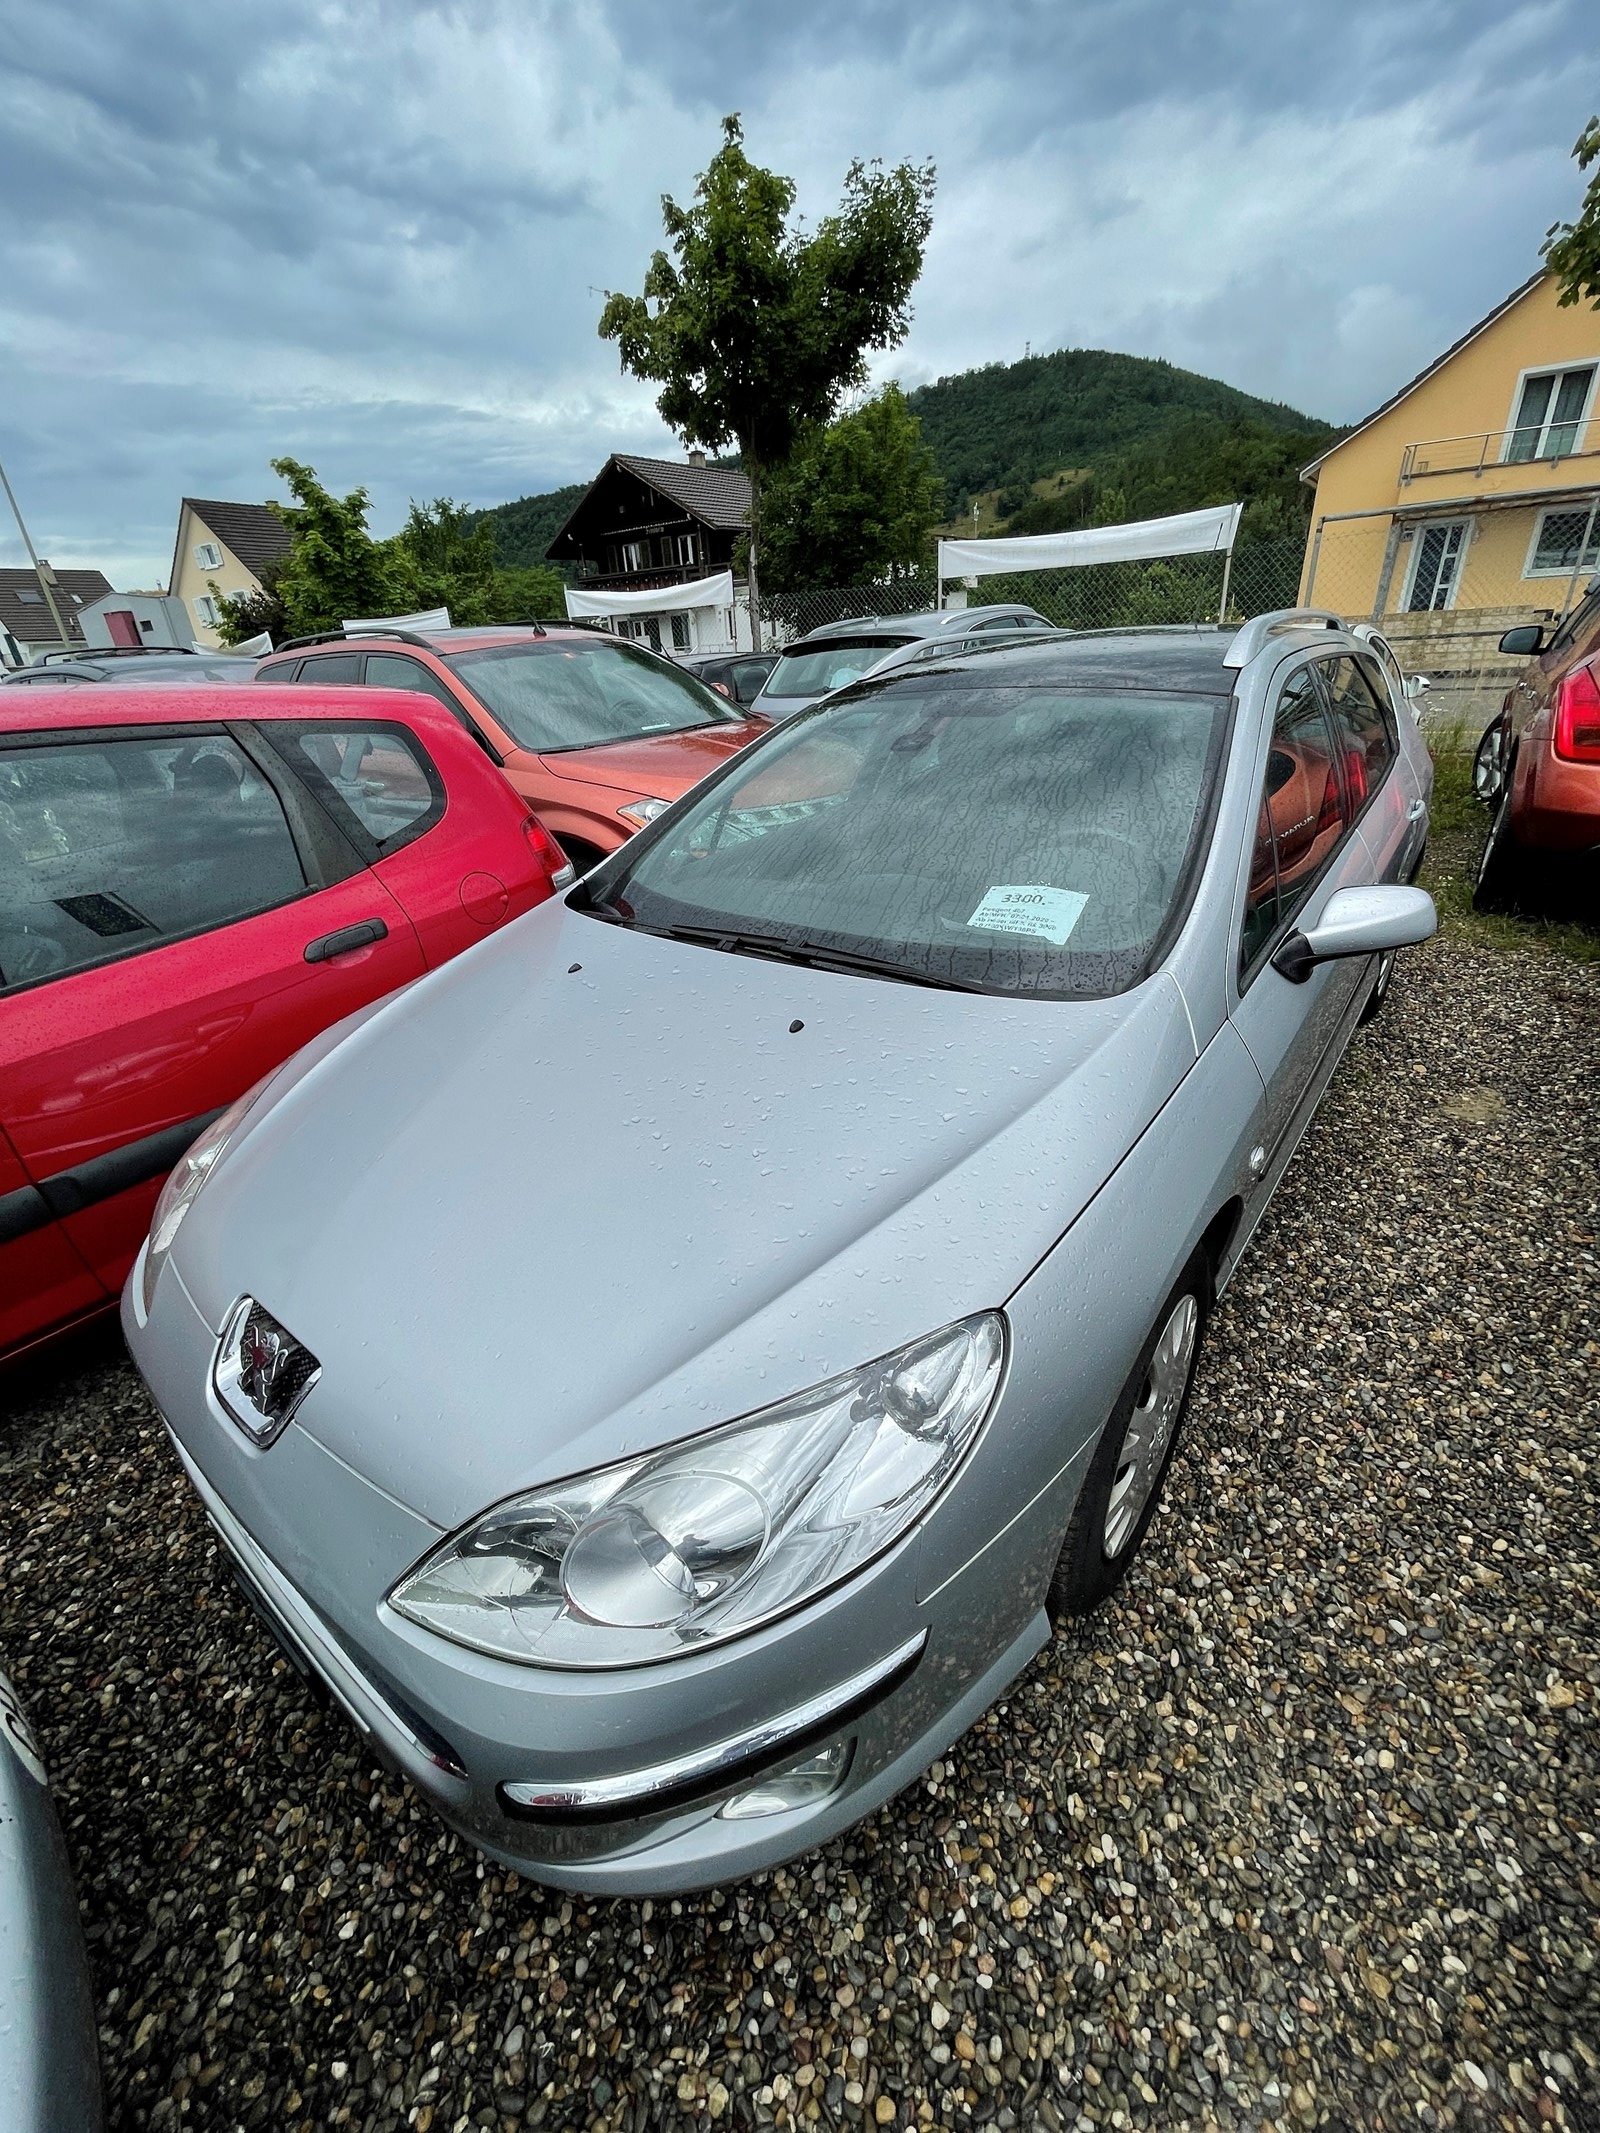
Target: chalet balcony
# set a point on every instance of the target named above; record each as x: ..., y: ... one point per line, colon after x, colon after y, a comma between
x: 662, y: 576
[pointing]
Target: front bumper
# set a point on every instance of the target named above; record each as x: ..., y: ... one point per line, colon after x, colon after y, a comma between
x: 624, y: 1771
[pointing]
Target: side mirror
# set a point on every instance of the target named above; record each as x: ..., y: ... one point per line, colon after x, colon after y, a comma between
x: 1522, y: 642
x: 1416, y: 684
x: 1359, y: 922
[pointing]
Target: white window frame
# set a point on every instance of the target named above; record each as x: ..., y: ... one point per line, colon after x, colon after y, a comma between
x: 205, y: 610
x: 1425, y: 526
x: 1558, y: 371
x: 208, y: 555
x: 1556, y: 570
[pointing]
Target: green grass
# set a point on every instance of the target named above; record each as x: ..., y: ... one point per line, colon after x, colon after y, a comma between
x: 1459, y: 823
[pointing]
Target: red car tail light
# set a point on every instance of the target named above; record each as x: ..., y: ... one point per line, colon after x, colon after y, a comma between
x: 1577, y: 734
x: 549, y: 854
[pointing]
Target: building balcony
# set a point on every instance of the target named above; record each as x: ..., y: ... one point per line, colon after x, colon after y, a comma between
x: 1501, y: 462
x: 660, y: 576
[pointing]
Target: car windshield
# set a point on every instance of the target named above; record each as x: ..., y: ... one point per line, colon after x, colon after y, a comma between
x: 1017, y: 839
x: 814, y: 670
x: 569, y: 692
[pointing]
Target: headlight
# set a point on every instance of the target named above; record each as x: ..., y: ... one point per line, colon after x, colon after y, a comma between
x: 702, y: 1542
x: 179, y: 1193
x: 639, y: 812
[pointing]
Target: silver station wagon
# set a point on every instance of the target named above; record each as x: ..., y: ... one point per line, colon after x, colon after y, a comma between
x: 664, y: 1371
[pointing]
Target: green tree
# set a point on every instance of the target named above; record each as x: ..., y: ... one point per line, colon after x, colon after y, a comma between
x: 1573, y: 248
x: 335, y: 568
x: 755, y: 329
x: 451, y: 550
x: 856, y: 502
x: 241, y: 616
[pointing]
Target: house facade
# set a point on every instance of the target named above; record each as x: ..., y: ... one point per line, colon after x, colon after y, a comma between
x: 221, y: 545
x: 647, y: 525
x: 1470, y: 500
x: 27, y: 627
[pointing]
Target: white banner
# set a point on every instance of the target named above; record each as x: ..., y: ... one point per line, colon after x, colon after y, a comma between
x: 433, y: 618
x: 656, y: 600
x: 1209, y: 532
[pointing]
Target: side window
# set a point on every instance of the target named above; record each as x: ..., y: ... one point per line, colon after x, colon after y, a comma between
x: 112, y: 846
x: 1363, y: 729
x: 1261, y: 892
x: 286, y: 672
x: 376, y: 780
x: 331, y: 667
x: 747, y: 680
x: 1301, y: 811
x: 392, y: 670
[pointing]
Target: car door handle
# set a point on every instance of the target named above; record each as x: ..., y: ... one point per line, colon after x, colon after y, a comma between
x: 1414, y: 811
x: 347, y: 938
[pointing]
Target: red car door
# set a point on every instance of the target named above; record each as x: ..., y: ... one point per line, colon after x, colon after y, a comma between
x: 176, y: 918
x: 43, y: 1282
x: 439, y: 825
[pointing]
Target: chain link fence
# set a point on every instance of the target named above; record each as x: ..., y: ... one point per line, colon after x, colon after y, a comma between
x: 1104, y: 596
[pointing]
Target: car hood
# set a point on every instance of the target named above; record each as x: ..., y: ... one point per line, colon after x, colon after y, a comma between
x: 662, y: 764
x: 585, y: 1191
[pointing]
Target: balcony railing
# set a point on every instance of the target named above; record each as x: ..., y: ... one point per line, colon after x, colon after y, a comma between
x: 1486, y: 451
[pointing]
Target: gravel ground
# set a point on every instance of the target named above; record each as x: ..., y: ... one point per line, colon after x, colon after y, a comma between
x: 1300, y: 1830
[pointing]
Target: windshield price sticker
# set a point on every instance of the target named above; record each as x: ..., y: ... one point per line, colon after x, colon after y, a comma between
x: 1046, y: 914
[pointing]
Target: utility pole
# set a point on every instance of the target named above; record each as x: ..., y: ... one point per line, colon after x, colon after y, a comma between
x: 41, y: 571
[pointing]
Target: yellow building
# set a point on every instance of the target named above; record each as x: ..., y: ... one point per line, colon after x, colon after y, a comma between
x: 1474, y: 490
x: 222, y: 546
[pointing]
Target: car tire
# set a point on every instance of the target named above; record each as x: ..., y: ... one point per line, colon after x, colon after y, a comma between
x: 1380, y: 989
x: 1503, y: 870
x: 1125, y: 1478
x: 1486, y: 777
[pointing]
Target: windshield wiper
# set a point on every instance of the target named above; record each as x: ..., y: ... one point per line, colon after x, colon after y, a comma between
x: 810, y: 954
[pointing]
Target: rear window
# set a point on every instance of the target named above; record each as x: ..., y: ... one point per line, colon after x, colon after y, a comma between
x: 375, y: 779
x: 583, y: 692
x: 814, y: 671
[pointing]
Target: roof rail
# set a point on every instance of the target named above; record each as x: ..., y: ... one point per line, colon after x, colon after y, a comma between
x: 298, y: 644
x: 1259, y: 628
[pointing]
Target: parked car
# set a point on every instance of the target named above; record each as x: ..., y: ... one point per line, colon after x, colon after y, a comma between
x: 841, y: 652
x: 1538, y: 766
x: 665, y: 1485
x: 187, y: 896
x: 49, y: 2068
x: 1407, y: 690
x: 596, y: 734
x: 132, y: 664
x: 737, y: 675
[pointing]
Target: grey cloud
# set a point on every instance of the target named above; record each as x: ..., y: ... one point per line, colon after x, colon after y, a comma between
x: 367, y: 232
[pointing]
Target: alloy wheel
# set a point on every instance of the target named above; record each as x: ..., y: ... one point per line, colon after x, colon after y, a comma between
x: 1150, y: 1426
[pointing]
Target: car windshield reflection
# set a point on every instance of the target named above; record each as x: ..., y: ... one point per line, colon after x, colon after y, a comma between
x: 566, y: 693
x: 1009, y: 839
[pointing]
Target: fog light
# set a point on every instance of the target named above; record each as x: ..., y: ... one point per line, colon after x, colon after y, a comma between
x: 801, y: 1785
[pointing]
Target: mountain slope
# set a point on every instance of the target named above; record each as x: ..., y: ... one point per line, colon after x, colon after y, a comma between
x: 1006, y: 424
x: 523, y: 530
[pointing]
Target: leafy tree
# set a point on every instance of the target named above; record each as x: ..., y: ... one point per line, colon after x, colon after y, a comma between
x: 335, y: 568
x: 756, y: 328
x: 241, y: 616
x: 1573, y: 248
x: 855, y: 504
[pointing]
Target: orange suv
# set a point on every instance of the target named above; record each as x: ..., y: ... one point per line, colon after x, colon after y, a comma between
x: 597, y: 735
x: 1538, y: 766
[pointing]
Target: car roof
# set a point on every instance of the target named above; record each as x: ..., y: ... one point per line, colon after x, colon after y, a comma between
x: 931, y: 622
x: 148, y: 704
x: 1182, y: 658
x: 441, y: 641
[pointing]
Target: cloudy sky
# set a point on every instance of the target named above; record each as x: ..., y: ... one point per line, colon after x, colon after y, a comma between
x: 371, y: 235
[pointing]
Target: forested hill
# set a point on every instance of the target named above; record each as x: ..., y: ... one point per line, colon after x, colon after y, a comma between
x: 1005, y: 425
x: 524, y: 530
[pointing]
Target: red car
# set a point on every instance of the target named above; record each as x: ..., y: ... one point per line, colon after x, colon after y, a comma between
x: 193, y: 883
x: 597, y: 734
x: 1538, y: 767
